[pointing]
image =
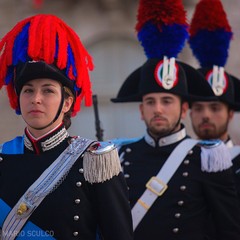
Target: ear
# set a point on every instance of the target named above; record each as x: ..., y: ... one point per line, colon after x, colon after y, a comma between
x: 231, y: 115
x: 141, y: 111
x: 185, y: 108
x: 67, y: 104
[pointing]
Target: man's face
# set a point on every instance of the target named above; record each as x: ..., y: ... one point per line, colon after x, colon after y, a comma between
x: 161, y: 113
x: 210, y: 119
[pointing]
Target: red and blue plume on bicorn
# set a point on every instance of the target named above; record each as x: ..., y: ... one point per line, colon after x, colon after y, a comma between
x: 162, y: 27
x: 46, y: 38
x: 210, y: 34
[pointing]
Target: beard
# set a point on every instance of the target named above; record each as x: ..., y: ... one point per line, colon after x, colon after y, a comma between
x: 162, y: 130
x: 211, y: 133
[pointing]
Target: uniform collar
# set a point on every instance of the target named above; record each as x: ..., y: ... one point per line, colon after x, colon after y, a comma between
x: 175, y: 137
x: 47, y: 141
x: 229, y: 143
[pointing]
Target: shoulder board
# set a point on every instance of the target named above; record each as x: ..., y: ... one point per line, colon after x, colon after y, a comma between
x: 102, y: 147
x: 101, y: 162
x: 119, y: 142
x: 209, y: 143
x: 215, y: 156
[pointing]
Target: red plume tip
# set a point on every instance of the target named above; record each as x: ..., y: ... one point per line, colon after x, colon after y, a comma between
x: 161, y: 12
x: 209, y: 15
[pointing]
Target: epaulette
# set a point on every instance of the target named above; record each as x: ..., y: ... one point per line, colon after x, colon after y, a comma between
x: 119, y: 142
x: 101, y: 162
x: 215, y: 156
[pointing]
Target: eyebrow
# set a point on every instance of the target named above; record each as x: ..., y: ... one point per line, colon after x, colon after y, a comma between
x: 44, y: 85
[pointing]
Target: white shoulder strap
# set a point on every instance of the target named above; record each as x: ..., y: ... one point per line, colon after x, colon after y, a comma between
x: 50, y: 179
x: 234, y: 151
x: 157, y: 185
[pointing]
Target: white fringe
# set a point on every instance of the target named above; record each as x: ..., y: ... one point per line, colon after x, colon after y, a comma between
x: 101, y: 167
x: 215, y: 159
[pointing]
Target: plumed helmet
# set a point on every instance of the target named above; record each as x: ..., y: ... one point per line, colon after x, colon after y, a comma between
x: 162, y: 30
x: 210, y: 36
x: 43, y: 46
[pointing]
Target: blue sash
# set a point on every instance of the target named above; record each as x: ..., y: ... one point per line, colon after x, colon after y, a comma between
x: 30, y: 230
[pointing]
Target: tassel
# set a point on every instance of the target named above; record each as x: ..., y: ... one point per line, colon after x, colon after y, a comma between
x: 215, y: 158
x: 101, y: 167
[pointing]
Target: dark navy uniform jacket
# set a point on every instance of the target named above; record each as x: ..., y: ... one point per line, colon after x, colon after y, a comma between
x: 236, y: 166
x: 76, y: 208
x: 192, y: 198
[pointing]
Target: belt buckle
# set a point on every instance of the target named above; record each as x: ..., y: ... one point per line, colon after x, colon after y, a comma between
x: 149, y: 186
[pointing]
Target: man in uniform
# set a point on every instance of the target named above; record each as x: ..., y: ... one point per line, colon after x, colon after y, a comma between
x: 174, y: 182
x: 211, y: 116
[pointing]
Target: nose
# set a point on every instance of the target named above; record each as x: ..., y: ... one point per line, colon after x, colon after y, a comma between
x: 36, y: 98
x: 206, y: 114
x: 158, y: 107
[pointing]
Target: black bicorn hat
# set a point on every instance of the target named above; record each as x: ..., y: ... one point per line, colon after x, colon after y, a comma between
x: 210, y: 36
x: 128, y: 92
x: 195, y: 86
x: 236, y: 83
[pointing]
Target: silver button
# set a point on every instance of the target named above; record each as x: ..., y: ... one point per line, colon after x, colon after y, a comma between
x: 76, y: 218
x: 185, y: 174
x: 75, y: 234
x: 1, y: 159
x: 190, y: 152
x: 78, y: 184
x: 77, y: 201
x: 126, y: 163
x: 128, y: 150
x: 80, y: 170
x: 177, y: 215
x: 180, y: 203
x: 183, y: 188
x: 176, y: 230
x: 126, y: 175
x: 186, y: 162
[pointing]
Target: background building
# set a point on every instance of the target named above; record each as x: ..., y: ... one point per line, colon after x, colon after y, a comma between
x: 106, y: 28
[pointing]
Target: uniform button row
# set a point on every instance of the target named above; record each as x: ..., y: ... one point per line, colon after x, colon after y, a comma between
x: 75, y: 234
x: 190, y: 152
x: 183, y: 188
x: 186, y: 162
x: 177, y: 215
x: 180, y: 203
x: 175, y: 230
x: 78, y: 184
x: 128, y: 150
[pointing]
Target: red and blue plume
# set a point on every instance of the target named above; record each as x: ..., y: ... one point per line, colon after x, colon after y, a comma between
x: 210, y: 33
x: 162, y: 27
x: 46, y: 38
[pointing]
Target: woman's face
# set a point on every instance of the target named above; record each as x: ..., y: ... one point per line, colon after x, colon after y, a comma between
x: 39, y: 102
